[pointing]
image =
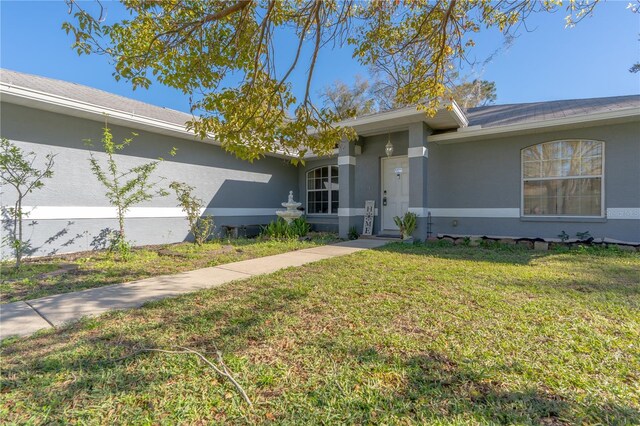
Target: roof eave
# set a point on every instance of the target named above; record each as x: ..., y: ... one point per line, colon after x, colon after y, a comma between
x: 587, y: 120
x: 62, y: 105
x: 396, y: 120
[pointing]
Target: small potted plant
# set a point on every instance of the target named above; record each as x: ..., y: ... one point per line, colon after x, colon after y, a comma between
x: 407, y: 225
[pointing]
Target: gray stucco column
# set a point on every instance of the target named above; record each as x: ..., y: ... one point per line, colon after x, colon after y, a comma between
x: 418, y: 161
x: 346, y: 180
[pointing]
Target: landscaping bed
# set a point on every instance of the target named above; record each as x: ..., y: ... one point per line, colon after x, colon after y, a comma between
x: 404, y: 334
x: 536, y: 243
x: 40, y: 277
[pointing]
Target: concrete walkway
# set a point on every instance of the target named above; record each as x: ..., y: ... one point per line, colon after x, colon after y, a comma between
x: 25, y: 318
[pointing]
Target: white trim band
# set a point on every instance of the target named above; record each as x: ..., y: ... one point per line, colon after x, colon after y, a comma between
x: 418, y: 151
x: 632, y: 213
x: 347, y: 212
x: 346, y: 161
x: 471, y: 212
x: 86, y: 212
x: 419, y: 211
x: 96, y: 212
x: 623, y: 213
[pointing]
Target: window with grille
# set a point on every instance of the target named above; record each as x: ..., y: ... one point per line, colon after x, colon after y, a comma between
x: 322, y: 190
x: 563, y: 178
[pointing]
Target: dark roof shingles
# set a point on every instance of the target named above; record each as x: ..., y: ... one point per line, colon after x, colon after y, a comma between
x: 489, y: 116
x: 93, y: 96
x: 502, y: 115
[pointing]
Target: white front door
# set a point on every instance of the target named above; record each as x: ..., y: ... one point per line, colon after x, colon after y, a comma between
x: 395, y: 190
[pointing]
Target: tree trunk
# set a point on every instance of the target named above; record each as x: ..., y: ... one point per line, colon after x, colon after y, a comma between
x: 18, y: 237
x: 121, y: 223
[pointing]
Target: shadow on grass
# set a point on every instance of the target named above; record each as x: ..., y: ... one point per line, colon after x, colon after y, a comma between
x: 83, y: 363
x: 72, y: 281
x: 498, y: 252
x: 74, y: 368
x: 438, y: 389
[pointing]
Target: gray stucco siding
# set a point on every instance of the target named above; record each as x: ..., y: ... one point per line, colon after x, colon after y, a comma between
x: 367, y: 178
x: 57, y: 236
x: 487, y: 175
x: 473, y: 175
x: 247, y: 193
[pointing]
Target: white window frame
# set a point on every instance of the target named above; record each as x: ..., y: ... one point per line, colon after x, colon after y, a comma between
x: 601, y: 176
x: 330, y: 176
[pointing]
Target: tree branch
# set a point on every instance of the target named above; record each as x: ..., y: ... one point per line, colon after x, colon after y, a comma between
x: 222, y: 370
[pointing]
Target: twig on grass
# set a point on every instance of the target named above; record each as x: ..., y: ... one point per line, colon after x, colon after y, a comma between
x: 222, y: 370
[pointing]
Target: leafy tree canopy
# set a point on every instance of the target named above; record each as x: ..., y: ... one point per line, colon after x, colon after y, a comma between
x: 364, y: 98
x: 474, y: 93
x: 349, y: 101
x: 223, y: 55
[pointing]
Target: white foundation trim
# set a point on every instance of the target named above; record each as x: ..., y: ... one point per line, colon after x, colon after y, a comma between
x: 623, y: 213
x: 346, y: 212
x: 631, y: 213
x: 346, y: 160
x: 418, y: 151
x: 471, y: 212
x: 86, y: 212
x: 95, y: 212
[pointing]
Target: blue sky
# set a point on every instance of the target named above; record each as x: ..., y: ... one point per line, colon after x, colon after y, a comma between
x: 548, y: 62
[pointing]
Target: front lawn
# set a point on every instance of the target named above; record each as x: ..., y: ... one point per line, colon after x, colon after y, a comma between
x: 399, y: 335
x: 100, y: 268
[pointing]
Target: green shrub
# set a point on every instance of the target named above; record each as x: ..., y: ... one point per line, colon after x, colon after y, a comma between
x: 584, y: 236
x: 120, y: 246
x: 406, y: 223
x: 201, y: 227
x: 300, y: 227
x: 279, y: 229
x: 353, y: 233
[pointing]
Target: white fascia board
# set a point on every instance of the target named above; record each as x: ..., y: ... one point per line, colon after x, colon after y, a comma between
x: 459, y: 115
x: 34, y: 98
x: 373, y: 118
x: 404, y: 116
x: 59, y: 104
x: 622, y: 115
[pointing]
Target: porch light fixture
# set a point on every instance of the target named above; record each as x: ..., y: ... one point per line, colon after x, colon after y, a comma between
x: 388, y: 148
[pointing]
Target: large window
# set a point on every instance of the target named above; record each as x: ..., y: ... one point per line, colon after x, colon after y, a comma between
x: 322, y: 190
x: 563, y: 178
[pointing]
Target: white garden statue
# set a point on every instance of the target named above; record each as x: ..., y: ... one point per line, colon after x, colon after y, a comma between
x: 292, y: 211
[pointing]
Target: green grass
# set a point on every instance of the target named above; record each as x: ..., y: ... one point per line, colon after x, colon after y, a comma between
x: 399, y: 335
x: 100, y: 268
